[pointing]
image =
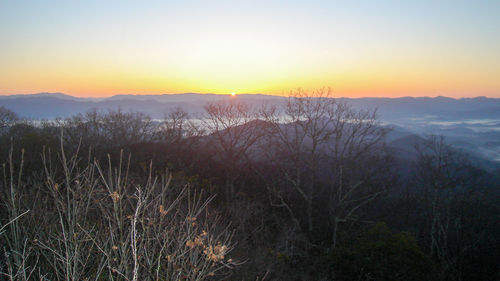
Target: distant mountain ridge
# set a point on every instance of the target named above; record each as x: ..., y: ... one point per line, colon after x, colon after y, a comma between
x: 52, y: 105
x: 470, y: 124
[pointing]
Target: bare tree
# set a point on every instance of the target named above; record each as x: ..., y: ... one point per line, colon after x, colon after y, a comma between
x: 103, y: 130
x: 299, y: 130
x: 446, y: 183
x: 233, y: 129
x: 7, y: 117
x: 359, y: 163
x: 323, y: 137
x: 175, y: 127
x: 125, y: 128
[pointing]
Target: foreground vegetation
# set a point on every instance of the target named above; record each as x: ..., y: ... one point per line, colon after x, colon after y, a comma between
x: 304, y: 191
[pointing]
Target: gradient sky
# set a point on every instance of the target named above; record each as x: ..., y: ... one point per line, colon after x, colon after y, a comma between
x: 359, y: 48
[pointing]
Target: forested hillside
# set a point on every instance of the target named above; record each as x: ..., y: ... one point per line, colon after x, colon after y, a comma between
x: 307, y: 189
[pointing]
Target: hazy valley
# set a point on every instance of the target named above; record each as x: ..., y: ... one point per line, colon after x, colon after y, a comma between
x: 469, y: 124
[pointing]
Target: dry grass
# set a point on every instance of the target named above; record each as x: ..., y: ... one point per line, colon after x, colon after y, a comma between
x: 80, y: 220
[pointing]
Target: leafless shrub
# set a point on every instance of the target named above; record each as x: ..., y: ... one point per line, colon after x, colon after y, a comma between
x: 95, y: 222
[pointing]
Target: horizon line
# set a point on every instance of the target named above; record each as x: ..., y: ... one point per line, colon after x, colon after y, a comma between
x: 239, y: 94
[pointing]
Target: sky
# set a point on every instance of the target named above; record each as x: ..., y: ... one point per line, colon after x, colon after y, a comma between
x: 384, y: 48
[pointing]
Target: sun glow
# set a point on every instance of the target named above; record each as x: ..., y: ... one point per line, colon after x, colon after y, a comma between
x: 250, y: 47
x: 233, y: 94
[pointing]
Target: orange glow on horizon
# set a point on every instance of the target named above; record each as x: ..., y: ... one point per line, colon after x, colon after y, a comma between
x: 358, y: 48
x: 371, y: 80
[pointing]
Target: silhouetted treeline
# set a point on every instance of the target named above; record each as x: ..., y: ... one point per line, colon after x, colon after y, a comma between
x: 305, y: 191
